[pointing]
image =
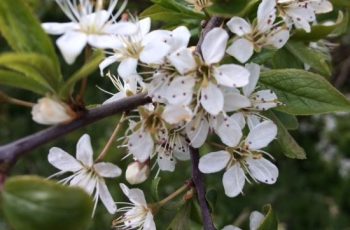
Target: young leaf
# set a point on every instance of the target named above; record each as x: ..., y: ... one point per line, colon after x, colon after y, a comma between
x: 32, y: 203
x: 270, y: 222
x: 230, y: 8
x: 154, y: 188
x: 84, y: 72
x: 35, y: 66
x: 311, y: 57
x: 289, y: 121
x: 283, y: 58
x: 23, y: 31
x: 19, y: 80
x: 182, y: 218
x: 304, y: 93
x: 290, y: 148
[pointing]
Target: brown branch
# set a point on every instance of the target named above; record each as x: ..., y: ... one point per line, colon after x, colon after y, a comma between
x: 9, y: 153
x: 197, y: 176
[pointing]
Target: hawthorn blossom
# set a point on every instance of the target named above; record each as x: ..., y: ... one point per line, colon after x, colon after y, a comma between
x: 255, y: 220
x: 86, y: 174
x: 125, y: 88
x: 301, y: 13
x: 50, y: 111
x: 254, y: 37
x: 137, y: 173
x: 89, y: 25
x: 137, y: 215
x: 242, y: 159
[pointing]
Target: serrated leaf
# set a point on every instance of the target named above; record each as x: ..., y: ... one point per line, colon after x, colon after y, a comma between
x: 154, y: 188
x: 33, y: 203
x: 84, y: 72
x: 230, y: 8
x: 182, y: 219
x: 18, y: 80
x: 304, y: 93
x: 316, y: 60
x: 270, y: 222
x: 35, y: 66
x: 289, y: 147
x: 23, y: 32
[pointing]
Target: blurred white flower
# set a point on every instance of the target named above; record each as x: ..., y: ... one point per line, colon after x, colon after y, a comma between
x: 255, y: 37
x: 49, y: 111
x: 246, y: 158
x: 137, y: 172
x: 89, y: 25
x: 86, y: 174
x: 255, y: 220
x: 137, y: 214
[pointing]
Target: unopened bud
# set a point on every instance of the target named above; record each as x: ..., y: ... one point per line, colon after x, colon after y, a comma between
x: 137, y: 172
x: 49, y: 111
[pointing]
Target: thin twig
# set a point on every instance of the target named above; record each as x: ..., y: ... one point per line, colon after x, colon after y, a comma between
x: 9, y: 153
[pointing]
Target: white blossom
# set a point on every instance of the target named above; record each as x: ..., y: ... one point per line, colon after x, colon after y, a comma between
x: 137, y: 214
x: 242, y: 159
x: 86, y: 174
x: 137, y: 173
x: 50, y: 111
x: 255, y: 220
x: 89, y: 25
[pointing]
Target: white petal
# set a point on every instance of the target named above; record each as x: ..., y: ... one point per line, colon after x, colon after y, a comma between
x: 183, y: 60
x: 266, y: 15
x: 262, y: 170
x: 239, y: 26
x: 174, y: 114
x: 322, y: 6
x: 120, y: 28
x: 235, y: 101
x: 254, y: 70
x: 239, y: 118
x: 103, y: 41
x: 149, y: 222
x: 181, y: 151
x: 106, y: 169
x: 212, y: 99
x: 71, y: 44
x: 115, y: 97
x: 278, y: 39
x: 63, y: 160
x: 197, y: 131
x: 180, y: 38
x: 166, y: 161
x: 127, y: 67
x: 85, y: 181
x: 84, y: 150
x: 154, y: 52
x: 255, y: 220
x: 230, y: 132
x: 253, y: 121
x: 106, y: 197
x: 180, y: 90
x: 261, y: 135
x: 233, y: 180
x: 145, y: 25
x: 55, y: 28
x: 231, y: 227
x: 135, y: 195
x: 214, y: 46
x: 264, y: 100
x: 141, y: 145
x: 107, y: 62
x: 214, y: 161
x: 241, y: 49
x: 231, y: 75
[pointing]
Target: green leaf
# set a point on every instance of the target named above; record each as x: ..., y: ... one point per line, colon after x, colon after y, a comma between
x: 19, y: 80
x: 178, y: 7
x: 182, y: 219
x: 84, y: 72
x: 35, y: 66
x: 304, y: 93
x: 289, y: 121
x: 290, y: 148
x: 270, y: 222
x: 23, y: 31
x: 230, y: 8
x: 33, y: 203
x: 283, y: 58
x: 311, y: 57
x: 154, y: 188
x: 320, y: 31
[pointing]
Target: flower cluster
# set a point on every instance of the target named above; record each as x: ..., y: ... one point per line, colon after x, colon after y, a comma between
x: 197, y: 92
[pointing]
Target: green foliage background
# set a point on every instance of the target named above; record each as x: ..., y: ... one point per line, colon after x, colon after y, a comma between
x: 309, y: 194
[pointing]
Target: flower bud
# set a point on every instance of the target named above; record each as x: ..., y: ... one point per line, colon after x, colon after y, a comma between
x: 137, y: 172
x: 49, y: 111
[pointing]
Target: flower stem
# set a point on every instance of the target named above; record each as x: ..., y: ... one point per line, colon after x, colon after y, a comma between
x: 7, y: 99
x: 104, y: 152
x: 174, y: 195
